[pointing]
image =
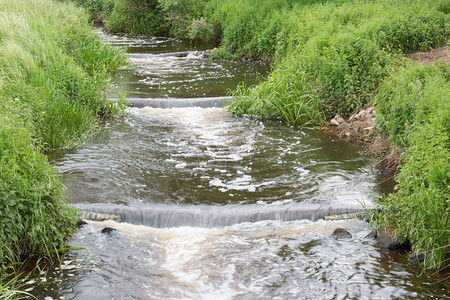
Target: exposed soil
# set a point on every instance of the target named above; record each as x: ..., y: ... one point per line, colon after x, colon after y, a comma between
x: 360, y: 129
x: 434, y: 55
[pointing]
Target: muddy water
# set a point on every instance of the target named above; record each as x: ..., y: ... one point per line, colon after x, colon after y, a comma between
x: 217, y: 207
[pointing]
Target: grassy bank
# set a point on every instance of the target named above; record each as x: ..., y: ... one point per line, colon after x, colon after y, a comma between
x: 414, y: 109
x: 330, y: 56
x: 334, y: 56
x: 53, y: 74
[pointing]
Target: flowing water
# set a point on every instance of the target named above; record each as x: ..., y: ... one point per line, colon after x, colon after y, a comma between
x: 217, y: 207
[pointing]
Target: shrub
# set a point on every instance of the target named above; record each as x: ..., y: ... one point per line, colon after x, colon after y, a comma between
x: 409, y: 97
x: 414, y: 32
x: 126, y: 16
x: 443, y: 6
x: 136, y: 16
x: 201, y: 30
x: 223, y: 54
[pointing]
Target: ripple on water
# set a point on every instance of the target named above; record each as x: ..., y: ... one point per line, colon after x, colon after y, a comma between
x: 206, y: 156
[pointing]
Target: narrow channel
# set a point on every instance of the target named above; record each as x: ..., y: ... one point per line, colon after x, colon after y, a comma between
x: 217, y: 207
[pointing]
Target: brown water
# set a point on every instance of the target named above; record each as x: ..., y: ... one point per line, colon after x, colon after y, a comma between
x: 218, y: 207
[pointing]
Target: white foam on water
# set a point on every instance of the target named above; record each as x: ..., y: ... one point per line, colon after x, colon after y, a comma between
x: 243, y: 183
x: 202, y: 263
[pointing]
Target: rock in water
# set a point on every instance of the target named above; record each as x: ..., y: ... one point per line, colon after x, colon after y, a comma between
x: 387, y: 240
x: 371, y: 235
x: 80, y: 223
x: 341, y: 234
x: 108, y: 230
x: 416, y: 258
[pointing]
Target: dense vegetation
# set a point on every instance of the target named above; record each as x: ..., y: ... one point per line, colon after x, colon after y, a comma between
x: 53, y: 74
x: 413, y: 107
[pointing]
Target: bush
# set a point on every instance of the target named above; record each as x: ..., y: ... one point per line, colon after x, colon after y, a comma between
x: 443, y: 6
x: 223, y: 54
x: 126, y: 16
x: 409, y: 97
x: 201, y: 30
x: 414, y: 32
x: 136, y: 16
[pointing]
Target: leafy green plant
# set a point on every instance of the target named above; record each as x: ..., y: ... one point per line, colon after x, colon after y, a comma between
x: 136, y: 16
x: 334, y: 75
x: 413, y: 106
x: 409, y: 97
x: 414, y: 32
x: 223, y: 54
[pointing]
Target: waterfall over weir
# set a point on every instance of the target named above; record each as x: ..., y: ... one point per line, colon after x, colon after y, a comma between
x: 209, y: 216
x: 178, y: 102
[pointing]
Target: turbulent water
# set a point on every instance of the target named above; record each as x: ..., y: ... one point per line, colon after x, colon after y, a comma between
x: 205, y: 156
x: 160, y: 72
x: 217, y: 207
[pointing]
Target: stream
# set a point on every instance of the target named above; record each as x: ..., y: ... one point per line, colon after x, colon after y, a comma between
x: 217, y: 207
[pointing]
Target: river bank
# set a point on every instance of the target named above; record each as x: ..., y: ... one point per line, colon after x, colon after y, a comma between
x: 54, y: 72
x: 203, y: 170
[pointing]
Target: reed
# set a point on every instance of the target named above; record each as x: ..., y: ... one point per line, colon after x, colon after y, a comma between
x: 11, y: 283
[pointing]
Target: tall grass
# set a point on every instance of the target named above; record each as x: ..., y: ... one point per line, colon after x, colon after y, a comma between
x: 12, y: 283
x: 53, y: 76
x: 331, y: 57
x: 414, y: 110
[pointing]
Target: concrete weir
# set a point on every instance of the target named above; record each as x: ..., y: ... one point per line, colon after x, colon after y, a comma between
x: 178, y: 102
x: 166, y: 216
